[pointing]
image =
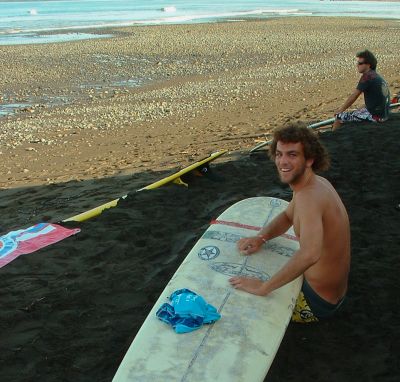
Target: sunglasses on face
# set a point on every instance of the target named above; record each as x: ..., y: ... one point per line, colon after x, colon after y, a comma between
x: 360, y: 63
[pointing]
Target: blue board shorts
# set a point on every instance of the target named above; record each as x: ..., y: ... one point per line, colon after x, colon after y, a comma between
x: 310, y: 307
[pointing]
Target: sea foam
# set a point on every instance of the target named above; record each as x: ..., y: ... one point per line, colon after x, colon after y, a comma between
x: 169, y: 9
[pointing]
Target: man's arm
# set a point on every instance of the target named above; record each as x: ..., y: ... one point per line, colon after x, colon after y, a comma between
x: 311, y: 242
x: 352, y: 98
x: 278, y: 226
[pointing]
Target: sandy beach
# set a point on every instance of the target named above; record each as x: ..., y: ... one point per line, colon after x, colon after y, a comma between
x: 102, y: 118
x: 202, y: 87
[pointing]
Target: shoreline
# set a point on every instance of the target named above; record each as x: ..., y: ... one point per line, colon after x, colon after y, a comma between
x: 99, y: 30
x: 197, y: 95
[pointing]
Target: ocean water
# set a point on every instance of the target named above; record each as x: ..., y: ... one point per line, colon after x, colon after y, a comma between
x: 25, y: 22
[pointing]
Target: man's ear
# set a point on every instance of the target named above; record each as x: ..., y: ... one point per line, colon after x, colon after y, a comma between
x: 309, y: 162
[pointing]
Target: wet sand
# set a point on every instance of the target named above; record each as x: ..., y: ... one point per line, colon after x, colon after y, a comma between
x: 70, y: 311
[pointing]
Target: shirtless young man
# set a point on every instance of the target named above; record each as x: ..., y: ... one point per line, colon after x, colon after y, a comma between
x: 320, y: 222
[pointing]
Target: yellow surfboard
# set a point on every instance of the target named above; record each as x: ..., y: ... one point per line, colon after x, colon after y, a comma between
x: 174, y: 178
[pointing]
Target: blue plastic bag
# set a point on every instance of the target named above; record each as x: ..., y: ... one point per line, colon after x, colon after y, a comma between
x: 187, y: 312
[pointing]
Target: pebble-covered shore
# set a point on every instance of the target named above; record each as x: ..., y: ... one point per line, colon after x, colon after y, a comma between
x: 157, y: 96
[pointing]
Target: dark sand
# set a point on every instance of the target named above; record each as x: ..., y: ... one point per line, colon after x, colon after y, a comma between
x: 70, y: 311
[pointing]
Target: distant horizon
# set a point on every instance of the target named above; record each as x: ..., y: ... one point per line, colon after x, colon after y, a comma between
x: 173, y: 4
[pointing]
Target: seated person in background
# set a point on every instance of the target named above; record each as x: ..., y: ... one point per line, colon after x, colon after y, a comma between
x: 376, y: 94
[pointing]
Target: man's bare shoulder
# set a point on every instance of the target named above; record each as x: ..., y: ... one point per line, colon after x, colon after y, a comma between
x: 310, y: 200
x: 323, y: 182
x: 309, y: 194
x: 319, y: 197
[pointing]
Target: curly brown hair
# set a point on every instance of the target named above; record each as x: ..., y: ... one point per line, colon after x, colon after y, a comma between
x: 313, y: 148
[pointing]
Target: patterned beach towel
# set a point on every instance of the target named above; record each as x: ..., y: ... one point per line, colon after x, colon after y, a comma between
x: 24, y: 241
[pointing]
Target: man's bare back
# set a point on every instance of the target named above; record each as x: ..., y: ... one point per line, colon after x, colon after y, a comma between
x: 328, y: 277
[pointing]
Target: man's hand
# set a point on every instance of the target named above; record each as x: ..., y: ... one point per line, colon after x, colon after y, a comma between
x: 248, y: 284
x: 249, y: 245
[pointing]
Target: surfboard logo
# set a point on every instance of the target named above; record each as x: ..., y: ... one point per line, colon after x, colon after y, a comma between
x: 210, y: 252
x: 222, y: 236
x: 235, y: 269
x: 280, y: 250
x: 275, y: 203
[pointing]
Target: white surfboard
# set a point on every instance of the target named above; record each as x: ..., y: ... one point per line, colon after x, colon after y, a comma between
x: 242, y: 344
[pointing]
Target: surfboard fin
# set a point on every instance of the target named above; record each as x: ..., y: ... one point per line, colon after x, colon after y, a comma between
x: 180, y: 182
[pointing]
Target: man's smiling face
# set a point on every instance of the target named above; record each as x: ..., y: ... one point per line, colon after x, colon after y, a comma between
x: 290, y: 162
